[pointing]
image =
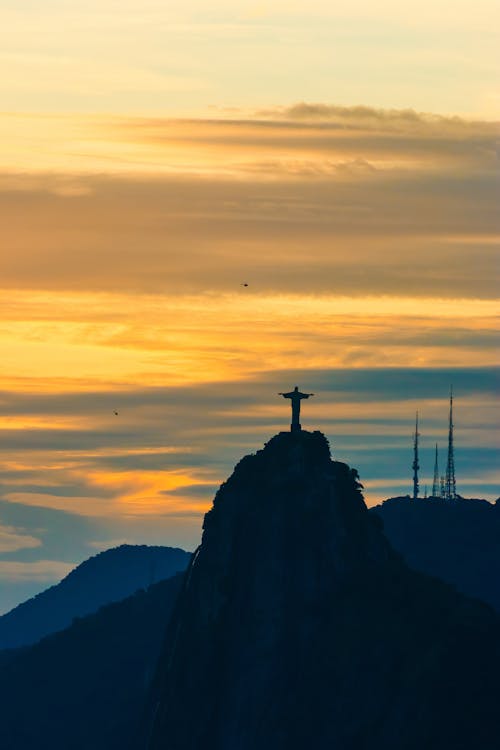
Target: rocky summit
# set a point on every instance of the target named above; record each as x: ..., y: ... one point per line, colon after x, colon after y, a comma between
x: 298, y: 625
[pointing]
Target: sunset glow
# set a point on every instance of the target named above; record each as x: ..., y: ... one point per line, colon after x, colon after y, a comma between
x: 203, y: 206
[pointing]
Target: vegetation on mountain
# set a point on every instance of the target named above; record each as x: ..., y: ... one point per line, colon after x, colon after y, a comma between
x: 104, y: 578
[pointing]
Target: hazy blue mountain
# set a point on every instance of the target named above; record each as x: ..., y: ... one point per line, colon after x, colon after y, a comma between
x: 84, y: 688
x: 107, y: 577
x: 458, y: 541
x: 299, y: 626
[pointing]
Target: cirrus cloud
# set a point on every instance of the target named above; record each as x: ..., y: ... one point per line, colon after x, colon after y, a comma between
x: 13, y: 539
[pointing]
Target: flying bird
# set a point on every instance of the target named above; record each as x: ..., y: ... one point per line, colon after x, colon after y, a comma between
x: 115, y: 413
x: 244, y: 284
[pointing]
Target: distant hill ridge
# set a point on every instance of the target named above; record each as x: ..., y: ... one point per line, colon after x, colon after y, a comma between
x: 457, y: 541
x: 104, y: 578
x: 85, y: 687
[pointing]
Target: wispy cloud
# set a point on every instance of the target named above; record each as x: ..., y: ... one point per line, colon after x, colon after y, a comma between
x: 12, y: 539
x: 177, y: 56
x: 386, y: 202
x: 45, y: 571
x: 136, y: 366
x: 173, y: 445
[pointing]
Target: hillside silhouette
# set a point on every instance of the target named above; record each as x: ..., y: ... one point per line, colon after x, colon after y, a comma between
x: 104, y: 578
x: 85, y: 687
x: 456, y: 541
x: 299, y: 625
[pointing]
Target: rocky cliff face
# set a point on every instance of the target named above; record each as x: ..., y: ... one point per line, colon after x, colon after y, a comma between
x: 299, y: 625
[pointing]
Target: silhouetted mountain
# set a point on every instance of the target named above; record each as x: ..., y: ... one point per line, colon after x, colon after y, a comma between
x: 458, y: 541
x: 107, y: 577
x: 299, y: 626
x: 84, y: 688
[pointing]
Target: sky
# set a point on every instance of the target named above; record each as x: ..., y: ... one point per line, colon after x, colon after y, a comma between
x: 203, y: 205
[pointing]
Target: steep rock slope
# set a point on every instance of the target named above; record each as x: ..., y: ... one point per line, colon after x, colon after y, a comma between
x: 458, y: 541
x: 298, y: 626
x: 107, y: 577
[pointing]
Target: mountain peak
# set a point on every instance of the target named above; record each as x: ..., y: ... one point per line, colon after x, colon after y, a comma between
x: 293, y: 452
x: 292, y: 495
x: 298, y: 622
x: 108, y: 576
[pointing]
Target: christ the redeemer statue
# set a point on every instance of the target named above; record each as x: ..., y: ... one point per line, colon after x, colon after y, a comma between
x: 295, y: 397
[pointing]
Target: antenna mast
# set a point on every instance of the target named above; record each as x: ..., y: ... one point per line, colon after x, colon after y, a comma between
x: 415, y: 465
x: 450, y: 484
x: 436, y: 490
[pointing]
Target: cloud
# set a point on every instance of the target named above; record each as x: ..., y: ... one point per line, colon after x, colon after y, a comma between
x: 186, y: 439
x: 157, y: 488
x: 354, y: 249
x: 414, y: 234
x: 176, y: 340
x: 12, y: 539
x: 108, y: 544
x: 161, y: 405
x: 194, y: 490
x: 386, y: 202
x: 367, y: 239
x: 66, y: 539
x: 375, y: 118
x: 45, y: 571
x: 63, y: 535
x: 176, y: 57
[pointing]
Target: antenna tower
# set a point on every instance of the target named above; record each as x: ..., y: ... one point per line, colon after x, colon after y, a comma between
x: 415, y: 465
x: 450, y: 484
x: 436, y: 489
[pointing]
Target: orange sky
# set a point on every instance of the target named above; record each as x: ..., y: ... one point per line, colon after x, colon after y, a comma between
x: 366, y: 238
x: 367, y: 235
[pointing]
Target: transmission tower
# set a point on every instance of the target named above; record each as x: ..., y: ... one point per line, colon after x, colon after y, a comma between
x: 415, y: 465
x: 450, y: 485
x: 436, y: 490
